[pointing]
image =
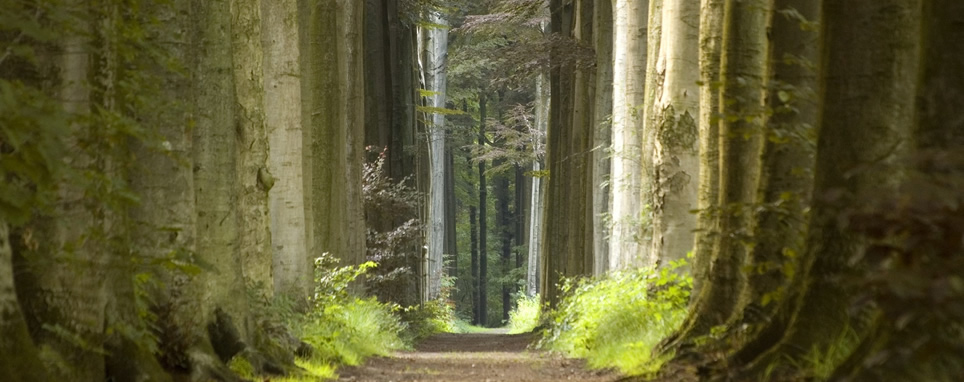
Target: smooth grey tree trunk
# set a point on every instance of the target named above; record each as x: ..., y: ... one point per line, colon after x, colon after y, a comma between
x: 291, y: 266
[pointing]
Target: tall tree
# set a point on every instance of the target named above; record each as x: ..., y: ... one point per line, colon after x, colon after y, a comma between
x: 537, y: 209
x: 435, y: 56
x: 742, y: 116
x: 711, y: 41
x: 862, y: 152
x: 603, y: 37
x: 333, y: 108
x: 291, y: 265
x: 629, y: 70
x: 483, y: 280
x: 255, y: 178
x: 673, y: 124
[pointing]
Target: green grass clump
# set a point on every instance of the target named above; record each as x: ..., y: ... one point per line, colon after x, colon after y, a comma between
x: 421, y: 321
x: 525, y: 317
x: 349, y: 332
x: 343, y: 328
x: 615, y: 321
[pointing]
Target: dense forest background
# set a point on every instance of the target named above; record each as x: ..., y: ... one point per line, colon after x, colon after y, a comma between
x: 189, y: 183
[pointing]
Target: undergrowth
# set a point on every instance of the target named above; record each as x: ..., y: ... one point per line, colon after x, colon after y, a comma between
x: 525, y: 317
x: 614, y: 321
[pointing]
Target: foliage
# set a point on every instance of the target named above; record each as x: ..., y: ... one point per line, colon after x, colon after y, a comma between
x: 421, y: 321
x: 342, y: 328
x: 525, y: 317
x: 394, y: 247
x: 615, y: 321
x: 912, y: 271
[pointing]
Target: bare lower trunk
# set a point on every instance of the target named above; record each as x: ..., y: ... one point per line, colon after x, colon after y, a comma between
x: 435, y: 66
x: 19, y: 360
x: 629, y: 82
x: 602, y: 135
x: 291, y: 268
x: 674, y: 126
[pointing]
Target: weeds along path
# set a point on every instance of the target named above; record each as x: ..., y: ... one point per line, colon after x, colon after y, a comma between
x: 488, y: 356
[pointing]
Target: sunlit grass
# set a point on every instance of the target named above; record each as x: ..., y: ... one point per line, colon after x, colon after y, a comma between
x: 525, y: 317
x: 615, y: 321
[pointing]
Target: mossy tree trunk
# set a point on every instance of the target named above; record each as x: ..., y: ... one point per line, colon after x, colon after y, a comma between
x: 786, y: 180
x: 675, y: 154
x: 872, y: 48
x: 743, y: 75
x: 711, y: 41
x: 19, y: 357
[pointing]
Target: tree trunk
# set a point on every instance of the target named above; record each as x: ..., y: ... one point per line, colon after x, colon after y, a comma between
x: 474, y: 285
x: 674, y: 127
x: 483, y: 223
x: 537, y: 209
x: 873, y: 48
x: 215, y: 158
x: 61, y: 280
x: 786, y: 179
x: 451, y: 236
x: 435, y: 67
x: 504, y: 222
x: 334, y: 99
x: 602, y: 134
x: 291, y: 266
x: 19, y: 357
x: 743, y: 81
x: 255, y: 178
x: 629, y: 82
x: 711, y: 42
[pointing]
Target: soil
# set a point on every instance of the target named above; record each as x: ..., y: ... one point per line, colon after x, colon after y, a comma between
x: 489, y: 356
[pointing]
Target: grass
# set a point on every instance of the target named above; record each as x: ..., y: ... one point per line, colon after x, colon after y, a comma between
x: 614, y: 321
x: 525, y: 317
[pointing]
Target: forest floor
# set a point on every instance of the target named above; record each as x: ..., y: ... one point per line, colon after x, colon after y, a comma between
x: 492, y: 355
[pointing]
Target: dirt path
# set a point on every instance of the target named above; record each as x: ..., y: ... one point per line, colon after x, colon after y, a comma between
x: 490, y: 356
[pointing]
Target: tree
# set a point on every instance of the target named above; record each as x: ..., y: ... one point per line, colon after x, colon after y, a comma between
x: 333, y: 108
x: 630, y: 43
x: 435, y: 61
x: 288, y: 206
x: 673, y: 125
x: 603, y: 38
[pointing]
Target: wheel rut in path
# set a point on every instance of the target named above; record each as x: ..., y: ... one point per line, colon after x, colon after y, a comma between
x: 488, y: 356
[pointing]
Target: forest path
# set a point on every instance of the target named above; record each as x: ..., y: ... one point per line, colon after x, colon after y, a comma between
x: 492, y: 355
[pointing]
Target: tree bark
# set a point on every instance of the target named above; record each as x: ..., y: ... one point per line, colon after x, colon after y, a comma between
x: 602, y: 134
x: 674, y: 128
x: 435, y: 69
x: 255, y: 178
x: 711, y: 42
x: 483, y: 223
x: 629, y: 82
x: 334, y: 101
x: 872, y: 47
x: 19, y: 357
x: 291, y: 265
x: 786, y: 180
x: 743, y: 81
x: 537, y: 211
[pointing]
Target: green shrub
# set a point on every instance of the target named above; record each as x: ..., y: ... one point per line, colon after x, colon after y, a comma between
x: 345, y: 329
x: 421, y: 321
x: 615, y: 321
x: 525, y: 317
